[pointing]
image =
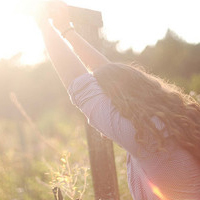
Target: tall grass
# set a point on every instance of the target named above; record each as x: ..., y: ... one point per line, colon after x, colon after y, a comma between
x: 31, y: 159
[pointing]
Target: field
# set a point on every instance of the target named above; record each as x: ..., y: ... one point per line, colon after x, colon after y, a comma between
x: 30, y: 163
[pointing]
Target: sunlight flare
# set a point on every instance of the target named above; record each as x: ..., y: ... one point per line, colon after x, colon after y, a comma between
x: 157, y: 192
x: 19, y: 32
x: 135, y: 24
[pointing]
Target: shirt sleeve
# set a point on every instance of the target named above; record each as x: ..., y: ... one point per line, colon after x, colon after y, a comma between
x: 88, y: 96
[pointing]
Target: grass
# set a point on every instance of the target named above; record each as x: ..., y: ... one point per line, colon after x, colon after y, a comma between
x: 26, y: 159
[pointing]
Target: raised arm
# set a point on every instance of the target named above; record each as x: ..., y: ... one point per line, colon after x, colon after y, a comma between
x: 66, y: 63
x: 90, y: 56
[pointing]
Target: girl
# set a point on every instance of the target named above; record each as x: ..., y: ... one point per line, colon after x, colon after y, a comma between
x: 154, y: 122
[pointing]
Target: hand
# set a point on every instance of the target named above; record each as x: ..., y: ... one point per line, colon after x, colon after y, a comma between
x: 58, y: 12
x: 40, y: 13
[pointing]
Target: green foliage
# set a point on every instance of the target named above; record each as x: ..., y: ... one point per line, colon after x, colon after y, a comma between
x: 18, y: 182
x: 72, y: 181
x: 26, y: 162
x: 194, y: 84
x: 172, y: 57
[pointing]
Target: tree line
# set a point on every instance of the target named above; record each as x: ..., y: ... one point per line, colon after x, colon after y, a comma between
x: 38, y: 88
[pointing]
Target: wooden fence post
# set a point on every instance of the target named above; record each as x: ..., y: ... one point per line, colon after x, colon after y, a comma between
x: 102, y: 161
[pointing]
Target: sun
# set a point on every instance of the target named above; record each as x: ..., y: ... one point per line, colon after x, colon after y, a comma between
x: 19, y: 32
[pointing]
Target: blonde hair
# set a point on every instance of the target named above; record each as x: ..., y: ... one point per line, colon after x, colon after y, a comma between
x: 139, y: 96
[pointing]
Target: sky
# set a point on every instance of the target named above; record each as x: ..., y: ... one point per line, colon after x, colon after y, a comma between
x: 135, y: 24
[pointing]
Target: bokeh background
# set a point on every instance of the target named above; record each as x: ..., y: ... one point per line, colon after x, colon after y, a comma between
x: 35, y: 134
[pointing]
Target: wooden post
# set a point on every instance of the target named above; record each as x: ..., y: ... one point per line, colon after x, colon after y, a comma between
x: 102, y: 161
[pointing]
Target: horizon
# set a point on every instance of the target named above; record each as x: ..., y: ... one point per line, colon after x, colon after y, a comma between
x: 169, y: 33
x: 147, y: 29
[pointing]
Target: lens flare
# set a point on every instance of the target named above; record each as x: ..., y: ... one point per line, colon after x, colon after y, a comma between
x: 157, y: 192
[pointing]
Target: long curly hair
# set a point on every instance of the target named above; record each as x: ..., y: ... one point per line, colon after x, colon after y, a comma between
x: 139, y: 96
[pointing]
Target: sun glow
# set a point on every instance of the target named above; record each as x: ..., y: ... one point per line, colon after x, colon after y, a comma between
x: 157, y: 192
x: 19, y: 32
x: 135, y: 24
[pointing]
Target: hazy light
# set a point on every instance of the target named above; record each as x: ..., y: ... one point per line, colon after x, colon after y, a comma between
x: 19, y: 33
x: 140, y: 23
x: 134, y: 23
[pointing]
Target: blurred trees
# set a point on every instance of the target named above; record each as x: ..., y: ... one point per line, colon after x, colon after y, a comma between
x: 38, y: 88
x: 171, y: 58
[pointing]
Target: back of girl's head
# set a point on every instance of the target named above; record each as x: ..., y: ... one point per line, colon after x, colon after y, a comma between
x: 124, y: 84
x: 140, y: 96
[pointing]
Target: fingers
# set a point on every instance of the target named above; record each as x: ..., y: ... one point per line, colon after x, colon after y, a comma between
x: 58, y: 12
x: 41, y: 14
x: 56, y: 5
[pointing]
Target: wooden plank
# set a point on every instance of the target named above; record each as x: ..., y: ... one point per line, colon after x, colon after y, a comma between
x: 102, y: 160
x: 102, y: 166
x: 85, y: 16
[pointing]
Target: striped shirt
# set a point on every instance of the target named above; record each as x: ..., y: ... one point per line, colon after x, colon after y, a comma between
x: 171, y: 175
